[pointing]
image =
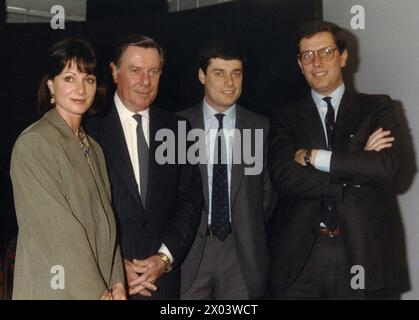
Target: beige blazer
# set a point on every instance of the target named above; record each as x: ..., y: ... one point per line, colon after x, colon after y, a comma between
x: 66, y: 246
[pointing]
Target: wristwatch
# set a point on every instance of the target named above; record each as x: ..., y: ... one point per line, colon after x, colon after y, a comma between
x: 167, y: 262
x: 307, y: 157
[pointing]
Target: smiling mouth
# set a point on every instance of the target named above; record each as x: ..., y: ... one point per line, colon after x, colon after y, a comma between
x: 319, y: 74
x: 142, y: 93
x: 79, y: 101
x: 227, y: 92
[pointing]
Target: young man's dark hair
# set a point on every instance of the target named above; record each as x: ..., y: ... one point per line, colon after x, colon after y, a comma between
x: 310, y: 28
x: 222, y: 48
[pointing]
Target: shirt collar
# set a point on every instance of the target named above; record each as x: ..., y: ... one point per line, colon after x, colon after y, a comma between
x: 124, y: 113
x: 230, y: 113
x: 335, y: 95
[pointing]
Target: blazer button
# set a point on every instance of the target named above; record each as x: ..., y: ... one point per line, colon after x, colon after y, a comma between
x: 145, y: 224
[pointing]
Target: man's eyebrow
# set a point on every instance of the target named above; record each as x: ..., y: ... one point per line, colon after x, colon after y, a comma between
x: 234, y: 70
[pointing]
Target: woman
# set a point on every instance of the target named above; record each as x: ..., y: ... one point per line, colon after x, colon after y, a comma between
x: 67, y: 245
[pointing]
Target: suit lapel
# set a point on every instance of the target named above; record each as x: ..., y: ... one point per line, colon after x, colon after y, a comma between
x: 155, y: 171
x: 197, y: 121
x: 346, y: 122
x: 312, y: 125
x: 110, y: 230
x: 98, y: 174
x: 237, y: 170
x: 105, y: 236
x: 113, y: 140
x: 74, y: 152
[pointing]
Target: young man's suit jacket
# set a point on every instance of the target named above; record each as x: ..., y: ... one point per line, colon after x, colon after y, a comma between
x: 358, y: 182
x: 250, y: 202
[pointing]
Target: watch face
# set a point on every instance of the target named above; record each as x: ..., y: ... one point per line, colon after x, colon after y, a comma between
x: 307, y: 157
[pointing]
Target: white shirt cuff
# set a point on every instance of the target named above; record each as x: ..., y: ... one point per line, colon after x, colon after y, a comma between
x: 166, y: 251
x: 322, y: 161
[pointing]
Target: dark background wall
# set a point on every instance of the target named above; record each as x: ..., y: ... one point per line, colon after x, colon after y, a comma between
x: 104, y: 9
x: 266, y: 29
x: 2, y: 10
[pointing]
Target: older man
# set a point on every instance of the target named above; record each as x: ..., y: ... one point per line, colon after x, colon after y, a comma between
x: 157, y: 206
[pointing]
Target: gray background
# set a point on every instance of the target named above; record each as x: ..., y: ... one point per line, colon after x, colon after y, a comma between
x: 388, y: 51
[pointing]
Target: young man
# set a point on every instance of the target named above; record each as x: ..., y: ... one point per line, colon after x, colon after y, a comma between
x: 229, y: 257
x: 332, y: 158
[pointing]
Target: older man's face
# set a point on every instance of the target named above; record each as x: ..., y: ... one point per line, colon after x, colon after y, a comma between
x: 137, y: 77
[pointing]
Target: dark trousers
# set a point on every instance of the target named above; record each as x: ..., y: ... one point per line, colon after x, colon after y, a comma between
x: 326, y: 276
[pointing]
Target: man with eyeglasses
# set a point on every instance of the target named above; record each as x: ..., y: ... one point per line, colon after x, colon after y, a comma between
x: 333, y: 157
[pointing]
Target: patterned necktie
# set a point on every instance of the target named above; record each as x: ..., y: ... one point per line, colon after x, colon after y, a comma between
x: 220, y: 221
x: 329, y: 121
x: 329, y: 208
x: 142, y: 149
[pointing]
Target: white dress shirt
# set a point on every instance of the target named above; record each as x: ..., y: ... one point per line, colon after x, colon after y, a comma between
x: 129, y: 127
x: 211, y: 130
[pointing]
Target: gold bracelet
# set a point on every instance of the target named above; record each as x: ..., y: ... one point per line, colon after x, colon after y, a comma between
x: 167, y: 262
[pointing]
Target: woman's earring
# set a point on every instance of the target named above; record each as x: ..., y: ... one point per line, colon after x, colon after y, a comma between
x: 52, y: 100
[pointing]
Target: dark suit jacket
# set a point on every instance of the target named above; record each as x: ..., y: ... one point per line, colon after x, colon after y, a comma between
x: 358, y: 182
x: 174, y: 197
x: 249, y: 195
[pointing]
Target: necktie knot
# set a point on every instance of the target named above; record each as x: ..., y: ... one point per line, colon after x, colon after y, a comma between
x: 220, y: 117
x: 137, y: 117
x: 330, y: 115
x: 328, y: 100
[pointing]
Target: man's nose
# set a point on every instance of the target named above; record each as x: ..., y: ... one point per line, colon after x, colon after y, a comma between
x: 228, y: 80
x: 316, y: 59
x: 145, y: 78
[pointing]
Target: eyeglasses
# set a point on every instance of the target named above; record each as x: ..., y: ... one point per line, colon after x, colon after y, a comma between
x: 325, y: 54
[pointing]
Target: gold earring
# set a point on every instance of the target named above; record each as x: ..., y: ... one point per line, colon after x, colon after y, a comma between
x: 52, y: 100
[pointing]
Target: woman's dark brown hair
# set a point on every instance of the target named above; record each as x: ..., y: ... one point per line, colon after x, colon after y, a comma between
x: 69, y: 50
